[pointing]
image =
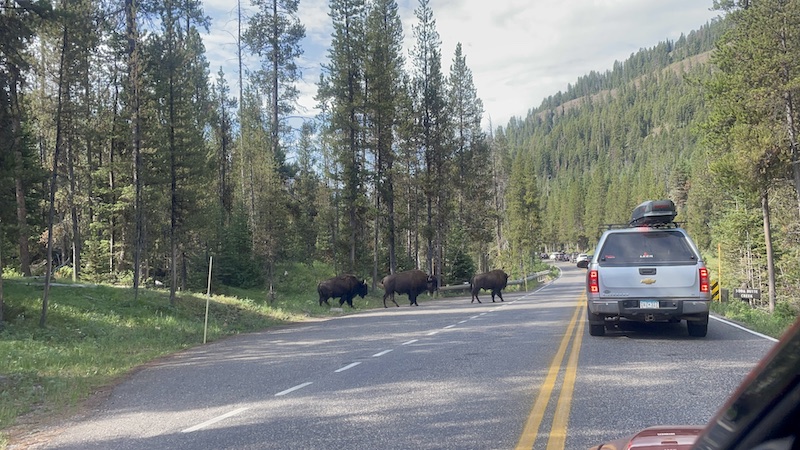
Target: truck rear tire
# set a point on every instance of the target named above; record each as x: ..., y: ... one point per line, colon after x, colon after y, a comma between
x: 697, y: 329
x: 597, y: 330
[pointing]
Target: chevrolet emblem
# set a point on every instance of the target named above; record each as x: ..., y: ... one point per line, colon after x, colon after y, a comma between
x: 648, y: 281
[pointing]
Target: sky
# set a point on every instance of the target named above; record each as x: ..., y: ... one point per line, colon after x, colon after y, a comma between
x: 519, y: 51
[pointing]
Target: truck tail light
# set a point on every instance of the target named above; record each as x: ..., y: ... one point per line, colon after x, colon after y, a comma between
x: 593, y: 282
x: 705, y: 285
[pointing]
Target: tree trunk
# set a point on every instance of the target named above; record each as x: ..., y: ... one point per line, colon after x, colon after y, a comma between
x: 54, y: 179
x: 2, y: 302
x: 132, y: 35
x: 794, y: 148
x: 390, y: 219
x: 73, y: 209
x: 770, y: 252
x: 376, y: 239
x: 173, y: 176
x: 19, y: 187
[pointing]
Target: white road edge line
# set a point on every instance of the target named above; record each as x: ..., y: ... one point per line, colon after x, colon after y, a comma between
x: 214, y: 420
x: 349, y: 366
x: 756, y: 333
x: 292, y: 389
x: 432, y: 333
x: 381, y: 353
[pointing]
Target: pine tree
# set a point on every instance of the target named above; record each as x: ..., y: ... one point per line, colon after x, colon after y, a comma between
x: 274, y: 34
x: 383, y: 75
x: 224, y: 142
x: 472, y: 161
x: 342, y: 87
x: 179, y: 76
x: 434, y: 133
x: 523, y: 212
x: 20, y: 21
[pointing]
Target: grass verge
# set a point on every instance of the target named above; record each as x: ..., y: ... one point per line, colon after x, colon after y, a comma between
x: 95, y: 335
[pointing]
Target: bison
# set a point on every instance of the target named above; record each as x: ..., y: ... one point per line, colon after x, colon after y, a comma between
x: 494, y: 280
x: 343, y: 286
x: 411, y: 282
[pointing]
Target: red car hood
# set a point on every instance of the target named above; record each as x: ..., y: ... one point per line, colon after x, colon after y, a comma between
x: 679, y: 437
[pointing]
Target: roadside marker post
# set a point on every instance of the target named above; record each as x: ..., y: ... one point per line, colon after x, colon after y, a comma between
x: 208, y: 298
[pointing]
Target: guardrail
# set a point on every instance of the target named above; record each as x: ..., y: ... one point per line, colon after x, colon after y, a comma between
x: 538, y: 276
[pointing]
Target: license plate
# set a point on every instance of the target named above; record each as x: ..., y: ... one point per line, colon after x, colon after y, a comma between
x: 648, y: 304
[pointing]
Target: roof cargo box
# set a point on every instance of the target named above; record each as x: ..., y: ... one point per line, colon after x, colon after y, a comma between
x: 653, y: 212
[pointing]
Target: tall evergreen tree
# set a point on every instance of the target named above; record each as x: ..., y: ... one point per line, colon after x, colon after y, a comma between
x: 523, y: 212
x: 383, y: 74
x: 304, y: 193
x: 20, y: 21
x: 134, y: 94
x: 224, y: 142
x: 274, y: 33
x: 179, y: 72
x: 472, y: 160
x: 342, y: 86
x: 434, y: 131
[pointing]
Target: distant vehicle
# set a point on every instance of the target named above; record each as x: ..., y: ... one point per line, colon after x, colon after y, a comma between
x: 762, y: 414
x: 648, y: 270
x: 582, y: 257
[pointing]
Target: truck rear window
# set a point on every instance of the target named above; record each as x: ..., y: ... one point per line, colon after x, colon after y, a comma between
x: 646, y: 248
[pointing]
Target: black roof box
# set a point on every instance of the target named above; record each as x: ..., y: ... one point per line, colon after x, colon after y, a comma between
x: 653, y: 212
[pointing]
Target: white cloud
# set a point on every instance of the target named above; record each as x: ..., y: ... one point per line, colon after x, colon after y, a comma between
x: 519, y: 51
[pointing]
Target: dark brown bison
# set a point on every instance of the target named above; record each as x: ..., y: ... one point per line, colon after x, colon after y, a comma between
x: 411, y: 282
x: 343, y: 286
x: 494, y: 280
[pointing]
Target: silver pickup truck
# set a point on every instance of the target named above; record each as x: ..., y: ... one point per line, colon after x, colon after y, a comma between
x: 648, y: 270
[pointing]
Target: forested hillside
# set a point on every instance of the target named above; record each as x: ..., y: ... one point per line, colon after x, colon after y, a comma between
x: 659, y: 125
x: 615, y: 139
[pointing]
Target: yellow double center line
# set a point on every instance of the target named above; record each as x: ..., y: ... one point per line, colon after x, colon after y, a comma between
x: 558, y: 431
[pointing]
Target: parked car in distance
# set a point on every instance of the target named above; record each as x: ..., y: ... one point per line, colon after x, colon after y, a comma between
x: 763, y: 413
x: 648, y: 270
x: 582, y: 257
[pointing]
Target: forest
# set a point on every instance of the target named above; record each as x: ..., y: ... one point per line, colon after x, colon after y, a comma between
x: 124, y: 160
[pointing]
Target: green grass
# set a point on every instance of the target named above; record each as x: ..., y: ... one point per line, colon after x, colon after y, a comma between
x: 96, y: 335
x: 757, y: 319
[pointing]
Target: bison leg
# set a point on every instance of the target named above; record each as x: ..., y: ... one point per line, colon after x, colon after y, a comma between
x: 392, y: 297
x: 323, y: 299
x: 500, y: 294
x: 348, y: 299
x: 412, y: 298
x: 475, y: 297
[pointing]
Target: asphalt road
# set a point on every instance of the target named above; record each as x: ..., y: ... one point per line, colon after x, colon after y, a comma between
x: 445, y: 375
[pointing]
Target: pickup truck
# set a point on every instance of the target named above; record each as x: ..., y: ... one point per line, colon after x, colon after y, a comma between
x: 648, y: 270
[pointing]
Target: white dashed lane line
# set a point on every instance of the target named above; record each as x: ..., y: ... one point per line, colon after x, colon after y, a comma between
x: 349, y: 366
x: 381, y: 353
x: 214, y: 420
x: 292, y: 389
